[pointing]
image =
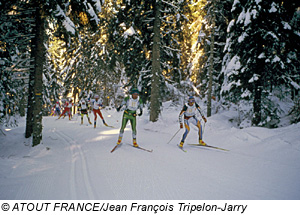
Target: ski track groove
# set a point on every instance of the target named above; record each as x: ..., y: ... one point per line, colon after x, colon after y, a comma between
x: 84, y: 167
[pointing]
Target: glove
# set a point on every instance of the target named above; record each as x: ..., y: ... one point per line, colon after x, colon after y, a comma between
x: 181, y: 125
x: 205, y: 120
x: 141, y: 113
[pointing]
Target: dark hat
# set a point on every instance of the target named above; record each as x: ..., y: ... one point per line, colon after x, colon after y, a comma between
x: 134, y: 90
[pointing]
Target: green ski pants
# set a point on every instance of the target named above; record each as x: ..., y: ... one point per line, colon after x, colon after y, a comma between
x: 125, y: 119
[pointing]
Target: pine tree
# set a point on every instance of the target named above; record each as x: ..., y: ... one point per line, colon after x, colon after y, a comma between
x: 211, y: 42
x: 257, y: 60
x: 15, y: 35
x: 50, y: 9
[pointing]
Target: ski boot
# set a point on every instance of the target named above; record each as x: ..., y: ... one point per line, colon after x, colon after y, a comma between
x: 89, y: 121
x: 134, y: 143
x: 95, y: 124
x: 181, y: 145
x: 81, y: 121
x: 104, y: 122
x: 119, y: 141
x: 201, y: 142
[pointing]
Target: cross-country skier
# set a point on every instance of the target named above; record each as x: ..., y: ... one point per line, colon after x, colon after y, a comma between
x: 57, y: 109
x: 189, y: 111
x: 132, y: 103
x: 67, y: 108
x: 83, y: 107
x: 97, y: 104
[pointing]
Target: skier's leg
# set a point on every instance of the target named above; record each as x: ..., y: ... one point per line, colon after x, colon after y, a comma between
x: 87, y: 115
x: 187, y: 130
x: 81, y: 117
x: 95, y: 117
x: 100, y: 114
x: 123, y: 125
x: 63, y: 113
x: 197, y: 123
x: 70, y: 113
x: 133, y: 128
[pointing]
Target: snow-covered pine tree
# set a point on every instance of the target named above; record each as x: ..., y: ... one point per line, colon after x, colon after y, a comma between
x: 131, y: 33
x: 15, y: 36
x: 217, y: 15
x: 257, y: 58
x: 44, y: 10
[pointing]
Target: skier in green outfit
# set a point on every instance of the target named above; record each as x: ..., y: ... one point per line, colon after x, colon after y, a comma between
x: 132, y: 103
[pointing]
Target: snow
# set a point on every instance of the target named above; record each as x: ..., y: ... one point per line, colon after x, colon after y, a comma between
x: 295, y: 85
x: 275, y: 59
x: 98, y: 4
x: 234, y: 5
x: 230, y: 25
x: 254, y: 78
x: 67, y: 22
x: 242, y: 37
x: 262, y: 55
x: 286, y: 25
x: 74, y: 161
x: 92, y: 13
x: 273, y: 8
x: 129, y: 32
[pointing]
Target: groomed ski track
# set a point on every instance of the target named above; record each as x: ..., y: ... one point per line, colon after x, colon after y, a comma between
x: 74, y: 162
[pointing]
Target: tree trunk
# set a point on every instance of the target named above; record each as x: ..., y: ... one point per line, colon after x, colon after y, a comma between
x: 29, y: 117
x: 257, y: 88
x: 156, y: 69
x: 38, y: 75
x: 257, y: 105
x: 105, y: 99
x: 30, y: 93
x: 211, y: 62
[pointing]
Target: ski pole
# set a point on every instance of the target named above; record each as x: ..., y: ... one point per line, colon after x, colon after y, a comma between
x: 203, y: 128
x: 110, y: 114
x: 173, y: 136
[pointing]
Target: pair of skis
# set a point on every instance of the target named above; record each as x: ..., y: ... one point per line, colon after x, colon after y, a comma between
x: 147, y: 150
x: 208, y: 146
x: 141, y: 148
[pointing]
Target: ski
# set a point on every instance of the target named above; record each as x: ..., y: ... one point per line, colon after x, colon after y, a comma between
x: 109, y: 126
x: 209, y: 146
x: 141, y: 148
x: 181, y: 148
x: 116, y: 146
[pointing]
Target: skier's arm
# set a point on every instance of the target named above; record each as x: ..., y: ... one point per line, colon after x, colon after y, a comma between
x: 199, y: 109
x: 140, y: 107
x: 180, y: 115
x: 122, y: 104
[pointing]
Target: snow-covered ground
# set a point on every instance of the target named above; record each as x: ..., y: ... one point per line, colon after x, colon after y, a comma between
x: 74, y: 161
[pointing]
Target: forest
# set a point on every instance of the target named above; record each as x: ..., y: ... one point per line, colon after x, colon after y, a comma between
x: 230, y: 53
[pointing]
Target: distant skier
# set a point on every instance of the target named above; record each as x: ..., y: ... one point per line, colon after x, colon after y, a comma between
x: 97, y: 104
x: 132, y: 103
x: 189, y: 112
x: 57, y: 109
x: 83, y: 107
x: 67, y: 109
